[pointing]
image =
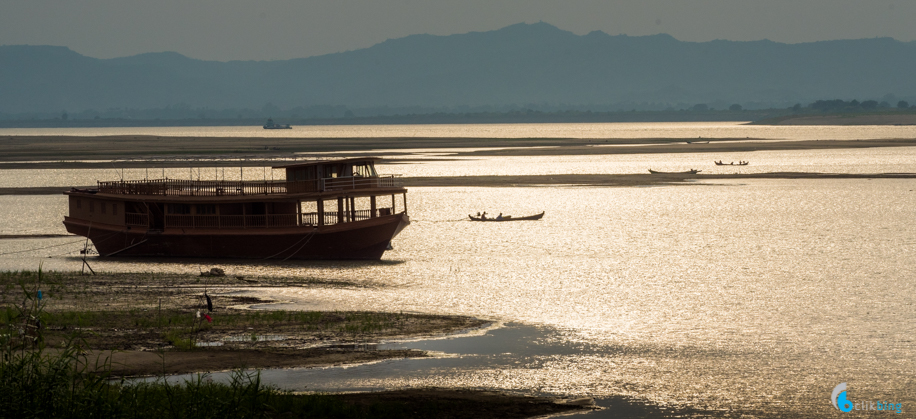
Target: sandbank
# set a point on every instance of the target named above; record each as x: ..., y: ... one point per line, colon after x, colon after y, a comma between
x: 37, y: 152
x: 146, y: 323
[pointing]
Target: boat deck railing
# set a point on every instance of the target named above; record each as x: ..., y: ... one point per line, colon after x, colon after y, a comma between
x: 255, y: 220
x: 175, y: 187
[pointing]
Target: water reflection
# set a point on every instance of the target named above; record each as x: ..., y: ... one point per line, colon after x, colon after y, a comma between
x: 757, y: 294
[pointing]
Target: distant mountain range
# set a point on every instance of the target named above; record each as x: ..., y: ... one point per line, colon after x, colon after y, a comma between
x: 520, y: 65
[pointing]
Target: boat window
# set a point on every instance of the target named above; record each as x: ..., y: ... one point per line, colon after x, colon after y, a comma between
x: 308, y: 207
x: 179, y: 209
x: 104, y: 205
x: 362, y: 203
x: 91, y: 206
x: 114, y: 209
x: 208, y: 209
x: 79, y: 204
x: 330, y: 206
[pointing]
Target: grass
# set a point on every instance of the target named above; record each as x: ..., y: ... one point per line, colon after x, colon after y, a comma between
x: 163, y: 305
x: 46, y: 369
x: 181, y: 328
x: 38, y: 380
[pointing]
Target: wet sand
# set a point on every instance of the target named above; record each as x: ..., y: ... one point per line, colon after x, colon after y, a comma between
x: 613, y: 180
x: 134, y: 353
x: 127, y: 323
x: 138, y: 319
x: 64, y: 151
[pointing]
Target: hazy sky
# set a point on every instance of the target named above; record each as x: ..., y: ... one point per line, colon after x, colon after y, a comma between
x: 282, y: 29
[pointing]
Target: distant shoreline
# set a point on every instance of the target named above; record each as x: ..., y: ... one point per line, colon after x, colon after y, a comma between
x: 756, y: 117
x: 841, y: 119
x: 511, y: 117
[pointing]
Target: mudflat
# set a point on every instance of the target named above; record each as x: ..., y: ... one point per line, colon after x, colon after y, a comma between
x: 145, y: 324
x: 150, y: 151
x: 149, y: 324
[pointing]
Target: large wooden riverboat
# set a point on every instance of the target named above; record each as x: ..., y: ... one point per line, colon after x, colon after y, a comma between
x: 330, y: 209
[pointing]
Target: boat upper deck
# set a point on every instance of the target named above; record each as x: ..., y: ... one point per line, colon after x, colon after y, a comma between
x: 224, y: 188
x: 322, y: 177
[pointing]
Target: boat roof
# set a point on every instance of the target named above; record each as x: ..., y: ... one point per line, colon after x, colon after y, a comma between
x: 334, y: 161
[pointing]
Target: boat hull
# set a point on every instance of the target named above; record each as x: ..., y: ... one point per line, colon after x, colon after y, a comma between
x: 367, y: 239
x: 689, y: 172
x: 528, y: 218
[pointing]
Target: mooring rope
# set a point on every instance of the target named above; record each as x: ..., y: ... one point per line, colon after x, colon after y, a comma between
x: 39, y: 248
x: 309, y: 236
x: 303, y: 244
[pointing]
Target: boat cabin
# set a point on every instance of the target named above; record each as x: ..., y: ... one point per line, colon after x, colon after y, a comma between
x: 315, y: 195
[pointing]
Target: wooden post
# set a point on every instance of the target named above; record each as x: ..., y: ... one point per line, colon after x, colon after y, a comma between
x: 352, y: 209
x: 372, y: 207
x: 298, y: 212
x: 340, y: 209
x: 320, y: 212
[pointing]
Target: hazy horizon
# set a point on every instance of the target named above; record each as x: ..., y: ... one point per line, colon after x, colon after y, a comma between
x: 279, y: 30
x: 406, y: 36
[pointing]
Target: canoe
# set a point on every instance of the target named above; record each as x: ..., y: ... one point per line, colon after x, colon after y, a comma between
x: 509, y: 218
x: 689, y: 172
x: 743, y: 163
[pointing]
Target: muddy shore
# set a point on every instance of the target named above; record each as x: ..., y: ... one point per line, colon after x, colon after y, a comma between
x: 149, y: 324
x: 144, y: 324
x: 614, y: 180
x: 37, y: 152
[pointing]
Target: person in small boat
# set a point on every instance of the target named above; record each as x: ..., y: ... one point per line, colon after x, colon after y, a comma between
x: 483, y: 216
x: 499, y: 217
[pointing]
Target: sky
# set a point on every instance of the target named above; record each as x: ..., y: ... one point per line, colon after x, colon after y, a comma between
x: 226, y: 30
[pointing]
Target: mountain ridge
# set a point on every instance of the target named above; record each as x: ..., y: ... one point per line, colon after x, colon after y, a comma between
x: 519, y: 64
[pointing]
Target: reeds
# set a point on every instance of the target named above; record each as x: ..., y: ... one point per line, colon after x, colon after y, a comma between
x: 40, y: 381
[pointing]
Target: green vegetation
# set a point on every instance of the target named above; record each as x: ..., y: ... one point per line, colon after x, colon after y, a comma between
x: 839, y: 106
x: 37, y: 380
x: 49, y: 367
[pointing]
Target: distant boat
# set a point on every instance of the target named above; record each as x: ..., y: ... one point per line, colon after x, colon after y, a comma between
x: 272, y: 125
x: 740, y: 163
x: 508, y: 218
x: 689, y: 172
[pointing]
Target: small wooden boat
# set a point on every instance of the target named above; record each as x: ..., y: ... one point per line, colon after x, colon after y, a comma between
x: 740, y: 163
x: 508, y: 218
x: 688, y: 172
